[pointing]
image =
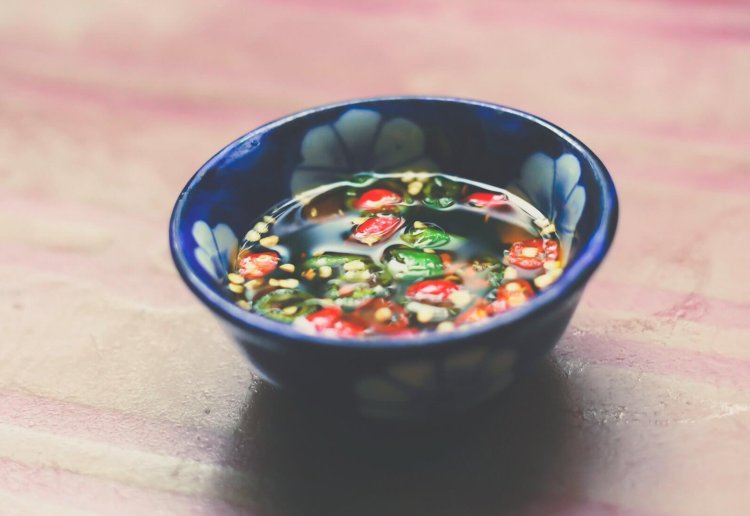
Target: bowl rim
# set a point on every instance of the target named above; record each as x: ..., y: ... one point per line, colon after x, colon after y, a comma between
x: 576, y: 274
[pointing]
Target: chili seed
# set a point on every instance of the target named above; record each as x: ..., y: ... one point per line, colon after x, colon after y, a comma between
x: 233, y: 277
x: 445, y: 326
x: 269, y: 241
x: 383, y: 314
x: 289, y: 310
x: 237, y: 289
x: 460, y: 298
x: 424, y: 315
x: 546, y: 230
x: 512, y: 287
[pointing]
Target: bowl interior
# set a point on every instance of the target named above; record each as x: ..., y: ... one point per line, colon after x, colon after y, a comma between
x: 479, y: 141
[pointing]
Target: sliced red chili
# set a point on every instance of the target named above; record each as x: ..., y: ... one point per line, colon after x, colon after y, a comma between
x: 551, y: 250
x: 431, y: 291
x: 377, y: 199
x: 512, y: 294
x: 325, y: 317
x: 487, y: 199
x: 526, y: 263
x: 477, y: 312
x: 382, y: 315
x: 331, y: 321
x: 528, y: 254
x: 531, y: 254
x: 377, y: 229
x: 257, y: 265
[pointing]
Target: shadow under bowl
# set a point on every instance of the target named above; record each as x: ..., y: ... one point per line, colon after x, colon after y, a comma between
x: 401, y: 378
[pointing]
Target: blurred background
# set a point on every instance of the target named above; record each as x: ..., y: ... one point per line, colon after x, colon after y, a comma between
x: 118, y: 392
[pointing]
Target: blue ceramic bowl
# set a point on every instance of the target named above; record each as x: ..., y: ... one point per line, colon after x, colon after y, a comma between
x: 390, y: 377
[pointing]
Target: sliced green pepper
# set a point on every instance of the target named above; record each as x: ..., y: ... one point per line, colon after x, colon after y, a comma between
x: 333, y: 260
x: 357, y: 295
x: 278, y: 304
x: 410, y: 264
x: 490, y: 268
x: 426, y: 236
x: 441, y: 192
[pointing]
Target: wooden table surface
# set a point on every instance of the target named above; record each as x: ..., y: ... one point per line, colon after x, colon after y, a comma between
x: 118, y: 392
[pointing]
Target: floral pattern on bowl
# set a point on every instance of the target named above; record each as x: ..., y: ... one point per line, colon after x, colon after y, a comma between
x: 551, y: 185
x: 359, y: 140
x: 415, y: 388
x: 216, y: 249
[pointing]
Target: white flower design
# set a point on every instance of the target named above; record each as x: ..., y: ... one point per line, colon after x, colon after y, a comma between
x: 217, y: 248
x: 360, y: 140
x: 552, y: 187
x: 414, y: 388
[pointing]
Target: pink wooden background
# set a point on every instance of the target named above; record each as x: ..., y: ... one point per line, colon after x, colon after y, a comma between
x: 118, y: 395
